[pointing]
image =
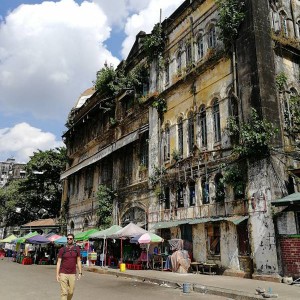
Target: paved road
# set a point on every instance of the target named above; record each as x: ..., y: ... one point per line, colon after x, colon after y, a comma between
x: 33, y: 282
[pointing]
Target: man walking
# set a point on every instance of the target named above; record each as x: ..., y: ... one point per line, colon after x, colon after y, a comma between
x: 68, y: 259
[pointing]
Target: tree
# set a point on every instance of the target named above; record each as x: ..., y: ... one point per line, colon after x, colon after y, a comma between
x: 11, y: 204
x: 42, y: 186
x: 39, y: 194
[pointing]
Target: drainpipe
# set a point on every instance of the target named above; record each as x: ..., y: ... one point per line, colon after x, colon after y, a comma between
x: 235, y: 88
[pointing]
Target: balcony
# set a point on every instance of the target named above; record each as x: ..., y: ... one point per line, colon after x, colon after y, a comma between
x: 225, y: 209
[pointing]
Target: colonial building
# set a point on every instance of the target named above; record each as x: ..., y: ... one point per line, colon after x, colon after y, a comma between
x: 11, y: 170
x: 166, y: 147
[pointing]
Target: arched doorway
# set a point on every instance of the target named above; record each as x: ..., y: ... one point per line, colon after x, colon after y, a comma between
x: 136, y: 215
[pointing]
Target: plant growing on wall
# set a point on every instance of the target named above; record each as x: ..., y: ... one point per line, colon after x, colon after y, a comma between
x: 111, y: 81
x: 160, y: 104
x: 154, y: 44
x: 105, y: 197
x: 231, y: 15
x: 294, y: 129
x: 157, y: 174
x: 176, y: 155
x: 233, y: 176
x: 255, y: 135
x: 105, y: 81
x: 281, y: 80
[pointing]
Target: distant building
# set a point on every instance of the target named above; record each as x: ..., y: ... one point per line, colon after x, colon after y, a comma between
x: 10, y: 170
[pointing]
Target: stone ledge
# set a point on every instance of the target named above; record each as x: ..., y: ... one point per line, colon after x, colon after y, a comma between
x: 265, y: 277
x: 236, y: 273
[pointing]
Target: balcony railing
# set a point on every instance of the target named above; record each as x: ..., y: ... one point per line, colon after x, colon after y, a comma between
x: 224, y: 209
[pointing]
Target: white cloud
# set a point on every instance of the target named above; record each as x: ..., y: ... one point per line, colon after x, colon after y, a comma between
x: 118, y: 11
x: 49, y: 54
x: 145, y: 19
x: 22, y: 140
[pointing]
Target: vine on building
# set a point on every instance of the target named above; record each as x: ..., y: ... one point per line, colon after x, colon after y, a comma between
x: 255, y: 136
x: 105, y: 197
x: 231, y: 15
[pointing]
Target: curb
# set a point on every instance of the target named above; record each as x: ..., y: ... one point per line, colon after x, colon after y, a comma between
x: 232, y: 294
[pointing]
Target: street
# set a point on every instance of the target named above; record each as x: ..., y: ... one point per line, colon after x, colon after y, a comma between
x: 36, y: 282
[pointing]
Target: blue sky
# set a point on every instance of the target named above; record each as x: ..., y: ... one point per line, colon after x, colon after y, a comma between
x: 50, y: 52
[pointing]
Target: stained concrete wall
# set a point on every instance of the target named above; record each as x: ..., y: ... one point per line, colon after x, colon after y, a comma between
x: 199, y: 243
x: 229, y: 246
x: 262, y: 179
x: 286, y: 223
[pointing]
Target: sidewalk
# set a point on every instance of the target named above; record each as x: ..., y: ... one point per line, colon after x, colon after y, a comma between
x: 226, y: 286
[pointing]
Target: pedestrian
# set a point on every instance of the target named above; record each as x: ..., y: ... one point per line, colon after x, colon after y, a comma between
x: 68, y: 260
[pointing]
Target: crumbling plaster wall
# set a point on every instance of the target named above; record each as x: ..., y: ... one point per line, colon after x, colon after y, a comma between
x: 199, y: 243
x: 229, y: 246
x: 286, y: 223
x: 263, y: 183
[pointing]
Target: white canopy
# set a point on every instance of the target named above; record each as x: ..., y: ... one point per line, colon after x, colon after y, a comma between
x: 128, y: 231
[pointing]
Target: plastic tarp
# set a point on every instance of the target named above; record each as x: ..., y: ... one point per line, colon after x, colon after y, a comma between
x: 52, y: 236
x: 84, y: 236
x: 287, y: 200
x: 9, y: 239
x: 37, y: 239
x: 147, y: 238
x: 22, y: 239
x: 61, y: 241
x: 106, y: 232
x: 129, y: 231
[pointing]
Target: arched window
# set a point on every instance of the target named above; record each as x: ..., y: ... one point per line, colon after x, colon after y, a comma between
x: 211, y: 35
x: 202, y: 125
x: 180, y: 136
x: 200, y: 47
x: 144, y: 150
x: 178, y: 62
x: 191, y: 132
x: 167, y: 143
x: 216, y: 119
x: 219, y: 188
x: 167, y: 73
x: 167, y: 197
x: 188, y: 52
x: 283, y: 23
x: 85, y: 224
x: 71, y: 227
x: 180, y: 196
x: 192, y: 194
x: 205, y: 191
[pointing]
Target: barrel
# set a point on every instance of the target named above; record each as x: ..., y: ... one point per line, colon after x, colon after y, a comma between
x: 122, y: 267
x: 186, y: 288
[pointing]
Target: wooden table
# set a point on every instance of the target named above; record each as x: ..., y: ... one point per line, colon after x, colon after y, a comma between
x: 210, y: 268
x: 196, y: 265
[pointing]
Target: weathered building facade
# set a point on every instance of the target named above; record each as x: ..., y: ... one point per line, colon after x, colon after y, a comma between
x: 167, y: 151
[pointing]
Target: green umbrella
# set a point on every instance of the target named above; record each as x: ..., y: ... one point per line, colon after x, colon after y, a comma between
x: 22, y: 239
x: 8, y: 239
x: 84, y: 236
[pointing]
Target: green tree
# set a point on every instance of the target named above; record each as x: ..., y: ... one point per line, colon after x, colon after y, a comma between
x: 41, y: 190
x: 14, y: 207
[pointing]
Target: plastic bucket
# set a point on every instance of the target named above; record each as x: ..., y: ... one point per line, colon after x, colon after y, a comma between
x: 186, y: 287
x: 122, y: 267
